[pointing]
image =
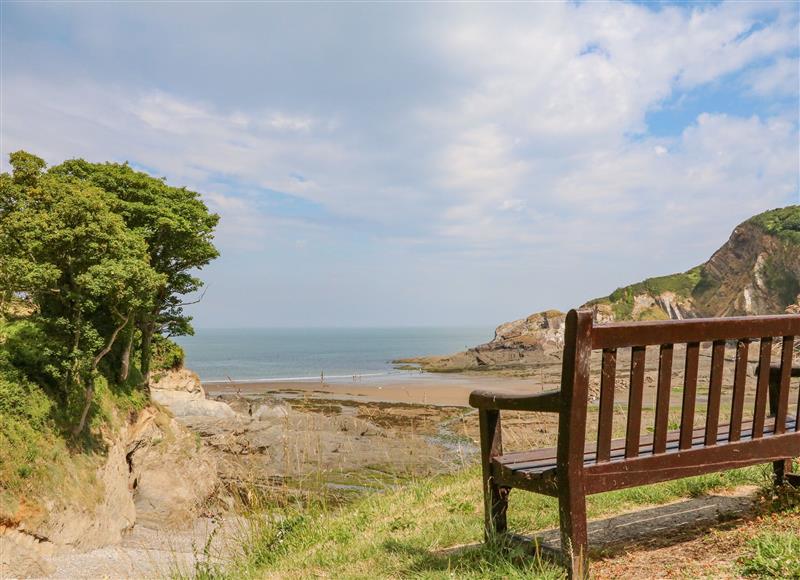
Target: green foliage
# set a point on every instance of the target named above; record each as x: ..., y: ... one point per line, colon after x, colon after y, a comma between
x: 22, y: 399
x: 24, y: 418
x: 28, y: 348
x: 102, y: 254
x: 773, y: 554
x: 85, y: 271
x: 27, y: 167
x: 622, y: 299
x: 783, y: 222
x: 166, y: 354
x: 174, y: 222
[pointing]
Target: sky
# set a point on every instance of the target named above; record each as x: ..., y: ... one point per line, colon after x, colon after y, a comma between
x: 385, y: 164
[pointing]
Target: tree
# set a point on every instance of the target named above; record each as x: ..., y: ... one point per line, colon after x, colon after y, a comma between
x: 65, y: 248
x: 178, y: 230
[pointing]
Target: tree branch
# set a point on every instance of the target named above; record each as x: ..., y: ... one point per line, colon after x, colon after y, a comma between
x: 110, y: 342
x: 194, y: 301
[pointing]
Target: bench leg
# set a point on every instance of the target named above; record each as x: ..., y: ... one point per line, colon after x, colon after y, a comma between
x: 495, y: 497
x: 781, y: 469
x: 574, y: 540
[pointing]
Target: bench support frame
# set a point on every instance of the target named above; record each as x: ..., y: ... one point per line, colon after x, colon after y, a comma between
x: 571, y: 480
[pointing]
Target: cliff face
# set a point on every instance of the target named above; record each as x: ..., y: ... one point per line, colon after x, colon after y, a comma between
x: 757, y: 271
x: 153, y: 474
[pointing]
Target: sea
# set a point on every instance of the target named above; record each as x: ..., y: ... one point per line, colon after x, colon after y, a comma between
x: 275, y: 354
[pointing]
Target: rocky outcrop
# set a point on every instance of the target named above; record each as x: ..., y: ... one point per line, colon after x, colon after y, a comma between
x: 23, y: 555
x: 181, y: 392
x: 171, y: 478
x: 538, y: 331
x: 757, y: 271
x: 154, y: 474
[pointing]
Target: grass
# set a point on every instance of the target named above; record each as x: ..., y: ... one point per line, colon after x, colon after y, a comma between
x: 430, y: 528
x: 773, y: 554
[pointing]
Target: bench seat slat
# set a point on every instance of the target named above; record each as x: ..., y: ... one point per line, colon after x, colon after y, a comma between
x: 722, y: 457
x: 531, y: 463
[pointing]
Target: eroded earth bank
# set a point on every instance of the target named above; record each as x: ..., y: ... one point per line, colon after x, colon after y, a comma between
x: 167, y: 493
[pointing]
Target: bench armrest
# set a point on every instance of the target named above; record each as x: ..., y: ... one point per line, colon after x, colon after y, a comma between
x: 549, y: 402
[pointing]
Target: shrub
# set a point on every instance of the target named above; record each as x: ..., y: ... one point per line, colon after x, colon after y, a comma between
x: 166, y: 354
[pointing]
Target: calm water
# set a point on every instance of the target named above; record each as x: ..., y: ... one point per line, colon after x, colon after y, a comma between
x: 251, y: 354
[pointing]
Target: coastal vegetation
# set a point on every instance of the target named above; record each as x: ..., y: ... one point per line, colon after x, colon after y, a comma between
x: 95, y: 261
x: 432, y: 528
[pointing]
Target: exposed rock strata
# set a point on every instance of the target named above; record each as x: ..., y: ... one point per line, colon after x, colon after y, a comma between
x: 154, y: 474
x: 757, y: 271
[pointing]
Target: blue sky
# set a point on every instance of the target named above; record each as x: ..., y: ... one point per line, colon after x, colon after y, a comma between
x: 421, y: 164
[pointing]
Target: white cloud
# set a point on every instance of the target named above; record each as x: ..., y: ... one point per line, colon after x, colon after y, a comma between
x: 537, y: 143
x: 778, y: 79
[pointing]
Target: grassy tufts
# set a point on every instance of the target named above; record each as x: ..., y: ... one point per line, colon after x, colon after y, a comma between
x: 431, y: 528
x: 772, y: 554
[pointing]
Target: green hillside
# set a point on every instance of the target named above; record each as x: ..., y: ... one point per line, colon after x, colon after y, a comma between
x: 697, y: 287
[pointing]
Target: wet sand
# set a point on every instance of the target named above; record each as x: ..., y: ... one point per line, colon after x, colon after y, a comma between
x: 425, y: 389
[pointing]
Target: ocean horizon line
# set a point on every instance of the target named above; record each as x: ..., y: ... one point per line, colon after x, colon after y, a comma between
x: 361, y: 327
x: 305, y: 378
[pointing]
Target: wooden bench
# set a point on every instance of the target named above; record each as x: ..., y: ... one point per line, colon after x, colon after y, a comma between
x: 575, y: 468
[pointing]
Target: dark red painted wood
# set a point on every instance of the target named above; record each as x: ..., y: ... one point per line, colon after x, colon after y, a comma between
x: 572, y: 440
x: 620, y: 335
x: 787, y: 350
x: 663, y: 398
x: 689, y: 393
x: 575, y: 468
x: 543, y: 459
x: 605, y: 422
x: 636, y: 391
x: 739, y: 389
x: 549, y: 402
x: 495, y: 499
x: 714, y: 391
x: 762, y: 386
x: 655, y: 468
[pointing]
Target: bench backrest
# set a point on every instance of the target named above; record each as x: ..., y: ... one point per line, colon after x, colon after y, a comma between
x: 607, y: 345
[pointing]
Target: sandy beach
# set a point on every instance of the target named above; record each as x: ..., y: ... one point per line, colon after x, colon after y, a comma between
x: 427, y: 389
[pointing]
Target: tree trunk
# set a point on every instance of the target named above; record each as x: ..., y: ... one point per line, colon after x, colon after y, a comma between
x: 110, y: 343
x: 125, y: 358
x: 89, y: 393
x: 147, y: 328
x: 73, y: 371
